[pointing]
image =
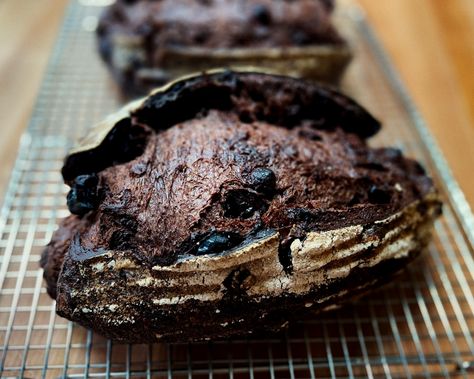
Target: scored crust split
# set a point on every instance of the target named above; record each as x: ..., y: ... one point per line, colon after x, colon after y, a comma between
x: 227, y: 204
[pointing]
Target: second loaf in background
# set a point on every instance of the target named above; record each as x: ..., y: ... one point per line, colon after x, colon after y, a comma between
x: 147, y: 43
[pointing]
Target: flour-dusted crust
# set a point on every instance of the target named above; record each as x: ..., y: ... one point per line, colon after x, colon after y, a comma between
x: 235, y: 201
x: 147, y: 43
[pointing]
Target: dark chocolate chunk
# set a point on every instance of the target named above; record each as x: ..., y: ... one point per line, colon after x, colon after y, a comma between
x: 284, y: 255
x: 242, y: 203
x: 218, y: 242
x: 202, y: 36
x: 379, y: 196
x: 84, y: 194
x: 261, y: 14
x: 263, y: 180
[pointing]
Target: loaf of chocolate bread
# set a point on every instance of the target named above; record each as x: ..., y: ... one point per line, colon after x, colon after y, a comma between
x: 235, y: 202
x: 146, y: 43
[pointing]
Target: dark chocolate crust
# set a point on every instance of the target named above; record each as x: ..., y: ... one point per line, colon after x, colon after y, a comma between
x: 212, y: 166
x: 234, y: 315
x: 144, y: 41
x: 222, y: 23
x: 252, y: 97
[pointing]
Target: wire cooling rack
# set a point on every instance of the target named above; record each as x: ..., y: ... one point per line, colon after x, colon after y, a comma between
x: 419, y: 326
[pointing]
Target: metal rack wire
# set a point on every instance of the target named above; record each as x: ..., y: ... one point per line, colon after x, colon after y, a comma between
x: 419, y: 326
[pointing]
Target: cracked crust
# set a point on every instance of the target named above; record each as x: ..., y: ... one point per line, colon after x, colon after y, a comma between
x: 247, y: 292
x: 259, y: 201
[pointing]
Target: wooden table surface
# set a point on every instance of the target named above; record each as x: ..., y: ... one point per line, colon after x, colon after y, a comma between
x: 431, y: 43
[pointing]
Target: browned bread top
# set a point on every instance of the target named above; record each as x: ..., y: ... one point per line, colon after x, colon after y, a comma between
x: 221, y: 23
x: 214, y: 170
x: 147, y: 43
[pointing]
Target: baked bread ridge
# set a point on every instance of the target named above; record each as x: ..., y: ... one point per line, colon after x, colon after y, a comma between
x: 248, y: 292
x: 268, y: 278
x: 142, y: 47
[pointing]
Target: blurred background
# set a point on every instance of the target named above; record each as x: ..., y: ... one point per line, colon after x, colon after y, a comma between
x: 431, y: 43
x: 424, y: 322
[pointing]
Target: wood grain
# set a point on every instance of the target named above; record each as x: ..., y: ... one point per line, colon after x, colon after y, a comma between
x: 430, y: 42
x: 28, y: 29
